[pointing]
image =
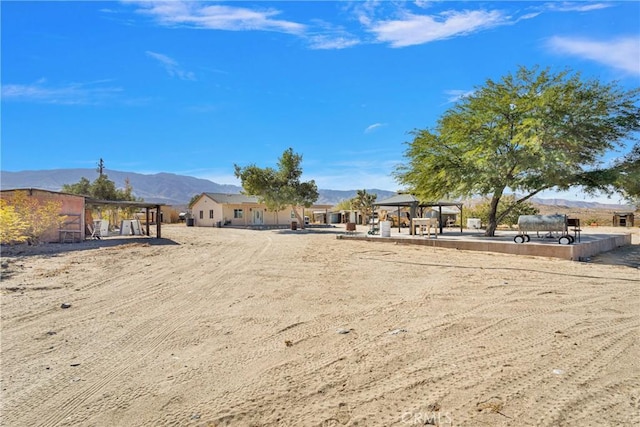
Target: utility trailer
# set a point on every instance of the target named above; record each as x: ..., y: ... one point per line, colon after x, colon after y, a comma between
x: 548, y: 223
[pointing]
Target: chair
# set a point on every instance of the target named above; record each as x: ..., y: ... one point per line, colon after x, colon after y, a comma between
x: 95, y: 229
x: 351, y: 228
x: 93, y: 232
x: 425, y: 224
x: 575, y: 223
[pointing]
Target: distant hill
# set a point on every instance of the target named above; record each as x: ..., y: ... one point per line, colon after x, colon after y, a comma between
x: 581, y: 204
x: 167, y: 188
x: 172, y: 189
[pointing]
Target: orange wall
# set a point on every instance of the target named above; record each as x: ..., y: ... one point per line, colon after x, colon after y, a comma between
x: 71, y: 204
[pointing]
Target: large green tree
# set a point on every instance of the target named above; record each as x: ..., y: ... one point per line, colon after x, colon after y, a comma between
x: 102, y: 188
x: 628, y: 176
x: 281, y: 187
x: 82, y: 187
x: 530, y: 131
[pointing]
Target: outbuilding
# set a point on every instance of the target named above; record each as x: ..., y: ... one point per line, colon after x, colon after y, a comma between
x: 623, y: 219
x: 76, y: 212
x: 72, y: 211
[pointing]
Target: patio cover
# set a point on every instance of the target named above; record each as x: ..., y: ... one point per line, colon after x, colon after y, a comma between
x: 413, y: 203
x: 131, y: 204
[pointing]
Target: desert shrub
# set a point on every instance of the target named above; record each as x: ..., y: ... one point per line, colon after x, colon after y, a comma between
x: 481, y: 210
x: 27, y: 219
x: 170, y: 215
x: 12, y: 228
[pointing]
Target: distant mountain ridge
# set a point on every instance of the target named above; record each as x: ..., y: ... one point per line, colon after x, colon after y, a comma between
x: 167, y: 188
x: 173, y: 189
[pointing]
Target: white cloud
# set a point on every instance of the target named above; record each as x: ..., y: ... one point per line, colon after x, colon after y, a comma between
x: 576, y: 6
x: 414, y: 29
x: 373, y: 127
x: 217, y: 17
x: 455, y: 95
x: 331, y: 42
x: 66, y: 94
x: 423, y: 3
x: 171, y: 66
x: 622, y: 53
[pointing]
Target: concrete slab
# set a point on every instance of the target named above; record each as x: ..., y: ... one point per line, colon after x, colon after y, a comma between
x: 592, y: 242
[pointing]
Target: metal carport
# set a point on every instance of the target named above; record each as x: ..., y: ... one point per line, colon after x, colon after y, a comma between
x: 414, y: 204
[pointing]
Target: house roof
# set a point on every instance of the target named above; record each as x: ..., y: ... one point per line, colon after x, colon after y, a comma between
x: 31, y: 190
x: 94, y: 202
x: 232, y: 199
x: 242, y: 199
x: 122, y: 203
x: 411, y: 200
x: 399, y: 200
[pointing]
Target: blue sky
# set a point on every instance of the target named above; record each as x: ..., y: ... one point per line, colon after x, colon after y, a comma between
x: 195, y: 87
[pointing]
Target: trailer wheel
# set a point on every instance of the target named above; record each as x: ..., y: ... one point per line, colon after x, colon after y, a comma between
x: 571, y: 239
x: 519, y: 239
x: 564, y: 240
x: 527, y: 238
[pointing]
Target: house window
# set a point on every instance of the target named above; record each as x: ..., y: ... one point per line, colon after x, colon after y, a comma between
x: 211, y: 214
x: 238, y: 213
x: 201, y: 214
x: 293, y: 214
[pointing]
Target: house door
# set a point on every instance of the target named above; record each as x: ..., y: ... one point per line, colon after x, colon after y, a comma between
x: 258, y: 217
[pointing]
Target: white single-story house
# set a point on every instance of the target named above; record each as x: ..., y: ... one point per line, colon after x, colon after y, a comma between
x: 219, y: 209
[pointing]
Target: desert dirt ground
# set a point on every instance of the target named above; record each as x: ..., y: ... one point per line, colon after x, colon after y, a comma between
x: 215, y: 327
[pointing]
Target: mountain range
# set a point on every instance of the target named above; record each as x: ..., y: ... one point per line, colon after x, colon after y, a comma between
x: 167, y: 188
x: 173, y: 189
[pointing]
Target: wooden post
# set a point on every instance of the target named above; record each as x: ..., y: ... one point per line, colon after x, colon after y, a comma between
x: 147, y: 220
x: 158, y: 221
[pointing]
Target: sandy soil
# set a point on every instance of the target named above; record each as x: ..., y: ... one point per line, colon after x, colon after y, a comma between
x: 215, y: 327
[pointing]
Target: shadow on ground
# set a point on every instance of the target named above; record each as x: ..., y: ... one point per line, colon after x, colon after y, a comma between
x: 53, y: 249
x: 625, y: 255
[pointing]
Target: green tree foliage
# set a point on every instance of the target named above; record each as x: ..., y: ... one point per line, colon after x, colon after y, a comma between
x: 363, y: 202
x: 82, y: 187
x: 193, y: 200
x: 102, y: 189
x: 344, y: 205
x: 628, y: 177
x: 279, y: 188
x: 530, y: 131
x: 483, y: 209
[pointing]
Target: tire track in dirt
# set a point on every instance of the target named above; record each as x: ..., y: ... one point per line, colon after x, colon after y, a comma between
x: 140, y: 341
x: 517, y: 383
x: 611, y: 347
x: 481, y: 307
x: 307, y: 383
x: 311, y: 328
x: 528, y: 344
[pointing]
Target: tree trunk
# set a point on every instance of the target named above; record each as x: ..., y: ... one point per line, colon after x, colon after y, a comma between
x: 300, y: 220
x: 493, y: 211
